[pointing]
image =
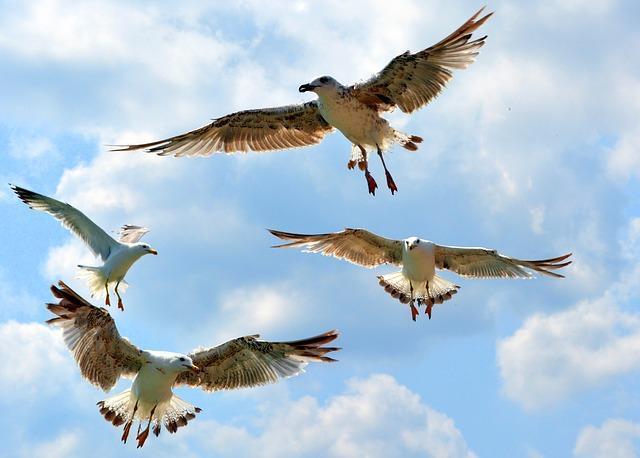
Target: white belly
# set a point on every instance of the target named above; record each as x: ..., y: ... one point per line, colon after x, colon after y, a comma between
x: 360, y: 124
x: 418, y: 264
x: 118, y: 264
x: 152, y: 388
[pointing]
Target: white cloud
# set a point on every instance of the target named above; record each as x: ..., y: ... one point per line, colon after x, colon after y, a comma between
x: 31, y: 147
x: 35, y: 362
x: 244, y: 310
x: 63, y: 446
x: 552, y: 356
x: 375, y: 417
x: 624, y: 157
x: 615, y: 438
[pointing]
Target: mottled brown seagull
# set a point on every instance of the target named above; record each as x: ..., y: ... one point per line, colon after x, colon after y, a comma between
x: 408, y: 82
x: 418, y: 282
x: 104, y: 356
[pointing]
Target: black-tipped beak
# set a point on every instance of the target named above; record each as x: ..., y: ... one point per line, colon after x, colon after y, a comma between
x: 192, y: 367
x: 306, y: 88
x: 152, y: 251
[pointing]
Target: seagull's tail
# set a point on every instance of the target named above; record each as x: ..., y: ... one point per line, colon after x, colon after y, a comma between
x: 96, y: 279
x: 124, y: 409
x: 436, y: 291
x: 407, y: 141
x: 177, y: 414
x: 118, y: 409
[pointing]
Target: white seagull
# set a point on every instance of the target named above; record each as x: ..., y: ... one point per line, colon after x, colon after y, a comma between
x: 419, y: 258
x: 408, y: 82
x: 104, y: 356
x: 117, y: 255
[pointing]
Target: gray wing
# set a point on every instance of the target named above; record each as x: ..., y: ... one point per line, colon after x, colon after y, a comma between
x: 247, y: 361
x: 264, y: 129
x: 91, y: 335
x: 131, y: 234
x: 358, y: 246
x: 486, y: 263
x: 410, y: 81
x: 98, y: 241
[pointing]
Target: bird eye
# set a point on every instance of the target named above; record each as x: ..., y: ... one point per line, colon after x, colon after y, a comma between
x: 182, y: 359
x: 417, y: 241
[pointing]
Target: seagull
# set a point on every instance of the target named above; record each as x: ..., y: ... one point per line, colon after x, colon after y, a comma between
x: 104, y: 356
x: 117, y: 255
x: 408, y: 82
x: 419, y: 259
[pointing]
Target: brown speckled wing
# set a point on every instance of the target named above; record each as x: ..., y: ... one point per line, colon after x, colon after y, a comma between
x: 264, y: 129
x: 358, y: 246
x: 410, y: 81
x: 90, y: 333
x: 486, y: 263
x: 247, y: 361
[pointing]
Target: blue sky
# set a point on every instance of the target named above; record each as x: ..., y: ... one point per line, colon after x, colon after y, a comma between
x: 532, y: 151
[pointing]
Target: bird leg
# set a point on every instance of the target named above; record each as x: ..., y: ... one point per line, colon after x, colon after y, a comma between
x: 120, y: 304
x: 364, y: 165
x: 107, y: 301
x: 127, y: 427
x: 142, y: 437
x: 414, y: 310
x: 427, y: 310
x: 390, y: 183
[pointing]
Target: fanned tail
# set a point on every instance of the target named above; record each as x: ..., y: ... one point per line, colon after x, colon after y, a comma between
x: 177, y: 414
x: 123, y: 409
x: 436, y: 291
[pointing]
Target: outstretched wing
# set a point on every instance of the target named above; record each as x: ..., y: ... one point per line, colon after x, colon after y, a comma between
x: 247, y: 361
x: 265, y: 129
x: 99, y: 242
x: 410, y: 81
x: 131, y: 234
x: 91, y: 335
x: 486, y: 263
x: 358, y: 246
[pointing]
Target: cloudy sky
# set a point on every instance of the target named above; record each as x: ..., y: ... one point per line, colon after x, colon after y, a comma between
x: 532, y: 150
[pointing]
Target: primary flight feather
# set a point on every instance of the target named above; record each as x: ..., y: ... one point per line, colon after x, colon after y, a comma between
x: 103, y: 356
x: 419, y: 259
x: 409, y: 81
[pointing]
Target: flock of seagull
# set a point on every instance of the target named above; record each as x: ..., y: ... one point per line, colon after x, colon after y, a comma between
x: 408, y: 82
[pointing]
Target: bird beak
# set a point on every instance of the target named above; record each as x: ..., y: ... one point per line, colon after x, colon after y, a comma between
x: 152, y: 251
x: 306, y: 88
x: 192, y: 367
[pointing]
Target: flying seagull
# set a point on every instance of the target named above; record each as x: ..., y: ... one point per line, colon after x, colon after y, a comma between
x: 408, y: 82
x: 104, y: 356
x: 419, y: 259
x: 117, y: 255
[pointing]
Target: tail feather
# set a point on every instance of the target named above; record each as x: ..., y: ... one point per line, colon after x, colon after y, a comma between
x: 122, y: 409
x: 407, y: 141
x: 117, y: 409
x: 96, y: 280
x: 177, y: 414
x: 436, y: 291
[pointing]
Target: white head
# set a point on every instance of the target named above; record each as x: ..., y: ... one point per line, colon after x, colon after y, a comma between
x: 321, y: 85
x: 142, y: 248
x: 177, y: 363
x: 411, y: 243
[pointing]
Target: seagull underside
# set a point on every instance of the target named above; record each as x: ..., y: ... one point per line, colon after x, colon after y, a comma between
x: 367, y: 131
x: 408, y: 82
